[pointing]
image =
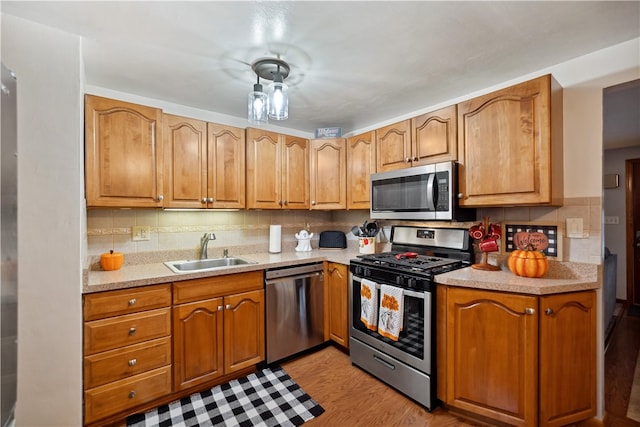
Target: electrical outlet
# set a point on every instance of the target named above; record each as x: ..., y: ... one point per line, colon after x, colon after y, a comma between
x: 575, y: 228
x: 612, y: 220
x: 141, y: 232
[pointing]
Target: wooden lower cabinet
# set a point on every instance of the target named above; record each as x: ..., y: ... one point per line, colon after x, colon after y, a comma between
x: 127, y: 349
x: 219, y: 335
x: 336, y: 281
x: 523, y: 360
x: 148, y: 346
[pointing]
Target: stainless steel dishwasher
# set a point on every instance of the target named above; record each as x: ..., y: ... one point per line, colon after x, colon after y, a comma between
x: 295, y: 309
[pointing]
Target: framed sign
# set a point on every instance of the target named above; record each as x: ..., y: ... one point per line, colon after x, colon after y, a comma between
x: 546, y: 237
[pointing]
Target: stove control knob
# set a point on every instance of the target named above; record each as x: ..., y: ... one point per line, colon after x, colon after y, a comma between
x: 358, y: 270
x: 399, y: 280
x: 411, y: 282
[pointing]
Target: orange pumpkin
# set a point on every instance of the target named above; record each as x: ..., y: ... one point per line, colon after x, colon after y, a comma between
x: 112, y: 260
x: 528, y: 262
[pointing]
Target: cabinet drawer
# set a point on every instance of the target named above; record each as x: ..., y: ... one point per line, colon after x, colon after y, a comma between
x: 113, y: 365
x: 114, y: 332
x: 112, y: 398
x: 211, y: 287
x: 116, y: 303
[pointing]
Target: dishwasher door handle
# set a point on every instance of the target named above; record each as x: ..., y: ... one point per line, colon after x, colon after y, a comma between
x: 300, y: 276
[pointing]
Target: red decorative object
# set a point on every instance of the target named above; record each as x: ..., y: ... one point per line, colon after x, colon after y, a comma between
x: 488, y: 235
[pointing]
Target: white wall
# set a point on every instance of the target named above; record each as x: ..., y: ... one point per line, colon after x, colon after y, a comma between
x: 614, y: 204
x: 50, y: 221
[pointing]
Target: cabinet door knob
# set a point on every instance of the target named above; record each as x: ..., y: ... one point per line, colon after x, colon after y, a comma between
x: 407, y: 160
x: 133, y: 362
x: 548, y: 311
x: 132, y: 394
x: 228, y: 306
x: 220, y: 308
x: 204, y: 200
x: 280, y: 202
x: 132, y: 331
x: 286, y: 202
x: 313, y: 202
x: 210, y: 199
x: 460, y: 196
x: 529, y: 310
x: 132, y: 301
x: 415, y: 159
x: 160, y: 198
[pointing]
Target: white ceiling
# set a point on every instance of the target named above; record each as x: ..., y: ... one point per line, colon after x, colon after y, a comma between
x: 354, y: 64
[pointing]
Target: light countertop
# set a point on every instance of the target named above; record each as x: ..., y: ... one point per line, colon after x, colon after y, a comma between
x: 562, y: 277
x: 148, y: 269
x: 149, y: 273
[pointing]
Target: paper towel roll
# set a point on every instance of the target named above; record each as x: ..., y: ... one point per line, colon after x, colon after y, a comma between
x: 275, y: 235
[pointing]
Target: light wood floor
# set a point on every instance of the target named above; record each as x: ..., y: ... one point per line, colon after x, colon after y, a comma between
x: 351, y: 397
x: 620, y: 363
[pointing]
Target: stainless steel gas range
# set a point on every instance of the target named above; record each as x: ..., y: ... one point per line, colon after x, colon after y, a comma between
x: 407, y: 363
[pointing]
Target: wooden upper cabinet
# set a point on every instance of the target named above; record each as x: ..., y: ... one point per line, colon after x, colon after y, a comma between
x: 123, y: 154
x: 226, y: 166
x: 434, y: 136
x: 185, y: 162
x: 393, y: 146
x: 204, y: 164
x: 264, y: 169
x: 295, y: 172
x: 510, y: 146
x: 277, y: 171
x: 328, y: 184
x: 361, y: 163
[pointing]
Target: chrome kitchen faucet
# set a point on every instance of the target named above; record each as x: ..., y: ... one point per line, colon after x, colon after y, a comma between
x: 204, y: 241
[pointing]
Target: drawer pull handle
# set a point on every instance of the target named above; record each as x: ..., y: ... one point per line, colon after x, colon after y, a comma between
x: 132, y: 331
x: 228, y: 307
x: 132, y: 394
x: 132, y: 301
x: 133, y: 362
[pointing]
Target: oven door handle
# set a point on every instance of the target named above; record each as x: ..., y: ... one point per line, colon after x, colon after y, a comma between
x: 419, y: 295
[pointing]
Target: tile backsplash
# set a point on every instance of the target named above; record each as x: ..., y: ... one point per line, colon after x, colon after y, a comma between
x: 181, y: 230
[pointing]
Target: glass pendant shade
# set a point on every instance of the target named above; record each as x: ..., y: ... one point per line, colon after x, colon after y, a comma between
x: 257, y: 106
x: 278, y: 100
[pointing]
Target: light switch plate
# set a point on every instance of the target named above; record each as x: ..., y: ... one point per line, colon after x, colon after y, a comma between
x: 612, y: 219
x: 141, y: 232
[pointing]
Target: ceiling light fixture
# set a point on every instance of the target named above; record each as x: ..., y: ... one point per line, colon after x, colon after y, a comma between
x: 277, y: 105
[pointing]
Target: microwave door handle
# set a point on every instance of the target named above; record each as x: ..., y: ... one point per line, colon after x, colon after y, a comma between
x: 431, y: 197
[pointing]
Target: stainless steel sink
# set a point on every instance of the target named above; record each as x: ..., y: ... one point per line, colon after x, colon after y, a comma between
x: 190, y: 266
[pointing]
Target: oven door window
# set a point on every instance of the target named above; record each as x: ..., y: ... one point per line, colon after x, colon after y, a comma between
x: 411, y: 339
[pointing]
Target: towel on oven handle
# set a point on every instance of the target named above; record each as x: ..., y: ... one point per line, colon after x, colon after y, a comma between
x: 391, y: 311
x: 369, y: 304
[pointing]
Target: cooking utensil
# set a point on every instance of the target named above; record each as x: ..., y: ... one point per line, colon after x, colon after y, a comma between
x: 355, y: 230
x: 372, y: 229
x: 406, y: 255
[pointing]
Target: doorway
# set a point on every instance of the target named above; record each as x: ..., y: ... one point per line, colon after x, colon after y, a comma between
x: 633, y: 235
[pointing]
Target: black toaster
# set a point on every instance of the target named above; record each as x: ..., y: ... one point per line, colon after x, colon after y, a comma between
x: 332, y: 240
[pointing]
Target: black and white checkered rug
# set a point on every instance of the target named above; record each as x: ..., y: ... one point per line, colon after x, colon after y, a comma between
x: 267, y: 398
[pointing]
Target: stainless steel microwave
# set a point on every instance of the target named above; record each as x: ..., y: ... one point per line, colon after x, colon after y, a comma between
x: 427, y: 192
